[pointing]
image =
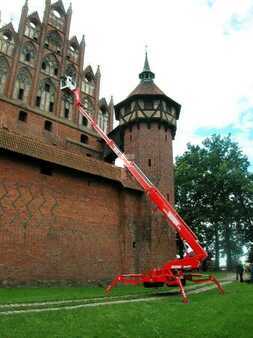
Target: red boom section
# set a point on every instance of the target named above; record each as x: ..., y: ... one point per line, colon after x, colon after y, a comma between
x: 155, y: 196
x: 172, y: 272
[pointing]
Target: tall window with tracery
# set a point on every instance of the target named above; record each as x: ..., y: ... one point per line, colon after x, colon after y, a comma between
x: 71, y: 71
x: 67, y: 107
x: 32, y: 30
x: 23, y: 85
x: 54, y: 41
x: 4, y: 70
x: 50, y: 65
x: 89, y: 106
x: 7, y: 42
x: 103, y: 120
x: 88, y: 85
x: 46, y: 96
x: 56, y: 18
x: 73, y: 52
x: 28, y: 53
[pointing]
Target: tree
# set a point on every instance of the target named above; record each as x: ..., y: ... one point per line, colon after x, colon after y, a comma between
x: 214, y: 195
x: 250, y: 255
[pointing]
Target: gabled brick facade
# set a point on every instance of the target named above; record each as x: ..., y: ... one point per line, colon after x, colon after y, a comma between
x: 65, y: 213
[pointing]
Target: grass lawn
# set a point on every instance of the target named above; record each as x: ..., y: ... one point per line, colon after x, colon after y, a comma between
x: 207, y: 315
x: 38, y: 294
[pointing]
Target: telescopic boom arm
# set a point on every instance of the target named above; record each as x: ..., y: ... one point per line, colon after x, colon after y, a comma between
x: 192, y: 259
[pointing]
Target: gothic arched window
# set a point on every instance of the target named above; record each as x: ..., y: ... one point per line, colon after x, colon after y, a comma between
x: 46, y: 96
x: 23, y: 85
x: 28, y: 53
x: 32, y: 29
x: 4, y: 70
x: 57, y: 17
x: 71, y: 71
x: 89, y: 106
x: 54, y: 41
x: 103, y: 120
x: 73, y: 51
x: 7, y: 42
x: 88, y: 85
x: 50, y: 65
x: 67, y: 106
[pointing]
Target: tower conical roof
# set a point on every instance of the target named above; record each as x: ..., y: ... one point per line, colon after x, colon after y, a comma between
x: 145, y: 88
x: 146, y: 85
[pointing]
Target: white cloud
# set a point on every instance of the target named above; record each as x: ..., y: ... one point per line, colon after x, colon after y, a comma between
x: 200, y: 51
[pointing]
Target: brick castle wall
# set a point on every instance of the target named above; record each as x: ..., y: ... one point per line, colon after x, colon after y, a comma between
x: 63, y: 227
x: 71, y: 226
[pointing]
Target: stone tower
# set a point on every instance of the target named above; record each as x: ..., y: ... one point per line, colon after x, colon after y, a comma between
x: 147, y: 124
x: 148, y: 118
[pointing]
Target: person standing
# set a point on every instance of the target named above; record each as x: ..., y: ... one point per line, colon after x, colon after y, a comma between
x: 239, y: 271
x: 251, y: 273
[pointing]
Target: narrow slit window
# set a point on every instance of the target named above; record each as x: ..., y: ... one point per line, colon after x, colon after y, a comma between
x: 48, y: 125
x: 84, y: 139
x: 46, y: 169
x: 51, y: 107
x: 22, y: 116
x: 84, y: 121
x: 28, y: 57
x: 47, y: 87
x: 149, y: 162
x: 21, y: 94
x: 66, y: 113
x: 38, y: 100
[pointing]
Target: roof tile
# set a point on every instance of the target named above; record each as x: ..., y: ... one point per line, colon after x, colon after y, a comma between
x: 28, y: 146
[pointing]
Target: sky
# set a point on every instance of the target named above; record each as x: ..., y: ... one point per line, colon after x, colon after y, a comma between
x: 200, y: 50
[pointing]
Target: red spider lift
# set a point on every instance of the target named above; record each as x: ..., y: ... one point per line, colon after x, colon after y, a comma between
x: 176, y: 271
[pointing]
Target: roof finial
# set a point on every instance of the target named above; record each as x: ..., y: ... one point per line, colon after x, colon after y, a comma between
x: 98, y: 72
x: 70, y: 7
x: 146, y: 75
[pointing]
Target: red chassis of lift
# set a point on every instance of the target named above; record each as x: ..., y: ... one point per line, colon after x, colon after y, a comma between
x: 177, y: 271
x: 160, y: 277
x: 173, y: 273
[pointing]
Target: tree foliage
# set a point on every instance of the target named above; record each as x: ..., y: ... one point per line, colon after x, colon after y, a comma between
x: 214, y: 194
